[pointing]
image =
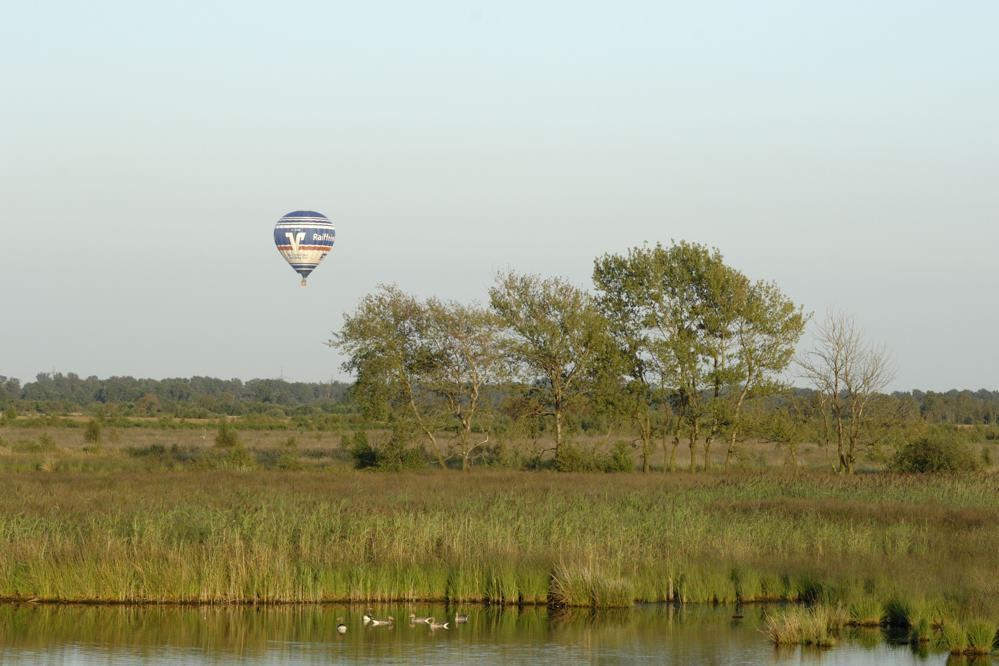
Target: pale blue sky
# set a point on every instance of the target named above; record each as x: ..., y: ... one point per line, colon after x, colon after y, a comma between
x: 848, y: 150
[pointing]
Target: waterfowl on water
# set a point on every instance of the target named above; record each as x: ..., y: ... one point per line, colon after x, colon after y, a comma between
x: 341, y: 628
x: 368, y: 620
x: 460, y: 618
x: 434, y: 625
x: 415, y: 619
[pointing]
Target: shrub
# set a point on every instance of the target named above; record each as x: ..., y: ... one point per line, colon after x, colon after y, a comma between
x: 572, y: 459
x: 227, y: 436
x: 935, y: 453
x: 501, y: 456
x: 395, y: 455
x: 620, y: 458
x: 361, y: 453
x: 277, y: 459
x: 9, y: 414
x: 236, y: 459
x: 92, y: 432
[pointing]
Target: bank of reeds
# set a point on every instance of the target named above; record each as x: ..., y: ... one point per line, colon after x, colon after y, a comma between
x: 878, y: 548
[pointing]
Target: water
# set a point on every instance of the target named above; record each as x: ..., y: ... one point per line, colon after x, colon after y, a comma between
x: 41, y: 634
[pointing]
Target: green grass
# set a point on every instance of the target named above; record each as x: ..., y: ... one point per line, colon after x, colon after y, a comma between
x: 865, y: 611
x: 981, y: 637
x: 865, y: 548
x: 799, y: 625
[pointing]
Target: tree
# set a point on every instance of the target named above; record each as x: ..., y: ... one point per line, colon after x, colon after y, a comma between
x: 848, y: 373
x: 554, y: 332
x: 384, y: 341
x: 672, y: 311
x: 462, y: 345
x: 767, y: 331
x: 618, y: 281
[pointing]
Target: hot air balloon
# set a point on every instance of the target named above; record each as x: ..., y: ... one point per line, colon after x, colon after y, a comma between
x: 304, y: 238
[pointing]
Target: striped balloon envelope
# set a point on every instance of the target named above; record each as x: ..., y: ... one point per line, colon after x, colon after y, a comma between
x: 304, y: 238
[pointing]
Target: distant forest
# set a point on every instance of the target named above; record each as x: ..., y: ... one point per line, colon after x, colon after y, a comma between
x: 205, y: 397
x: 195, y: 397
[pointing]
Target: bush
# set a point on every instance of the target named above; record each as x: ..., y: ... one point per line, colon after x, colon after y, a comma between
x: 620, y: 458
x: 936, y: 452
x: 572, y: 459
x: 9, y: 414
x: 277, y: 459
x: 227, y: 436
x: 394, y: 455
x: 92, y: 433
x: 361, y: 452
x: 236, y: 459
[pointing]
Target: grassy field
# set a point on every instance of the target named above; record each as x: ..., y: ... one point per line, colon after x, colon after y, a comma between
x: 190, y: 443
x: 926, y: 544
x: 161, y: 515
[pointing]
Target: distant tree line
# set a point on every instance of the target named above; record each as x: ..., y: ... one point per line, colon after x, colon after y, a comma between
x: 191, y: 397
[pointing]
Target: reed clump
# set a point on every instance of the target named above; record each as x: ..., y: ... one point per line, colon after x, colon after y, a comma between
x: 800, y: 625
x: 980, y: 637
x: 865, y: 611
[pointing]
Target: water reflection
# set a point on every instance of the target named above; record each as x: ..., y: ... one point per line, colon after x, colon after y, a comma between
x: 652, y: 634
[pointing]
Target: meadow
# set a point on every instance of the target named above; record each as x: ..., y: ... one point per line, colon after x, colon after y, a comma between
x: 272, y: 521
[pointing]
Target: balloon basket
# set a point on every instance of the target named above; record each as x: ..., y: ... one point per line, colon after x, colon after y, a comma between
x: 303, y: 283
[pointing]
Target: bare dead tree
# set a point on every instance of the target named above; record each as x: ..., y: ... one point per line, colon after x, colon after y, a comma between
x: 848, y: 373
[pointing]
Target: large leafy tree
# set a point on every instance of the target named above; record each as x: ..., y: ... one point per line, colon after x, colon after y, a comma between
x: 696, y: 330
x: 383, y: 341
x: 554, y: 338
x: 424, y: 364
x: 668, y: 314
x: 619, y: 297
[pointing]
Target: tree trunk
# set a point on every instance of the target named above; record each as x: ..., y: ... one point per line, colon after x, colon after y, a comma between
x: 693, y: 448
x: 731, y: 449
x: 646, y: 428
x: 735, y: 424
x: 558, y: 431
x: 465, y: 450
x: 839, y: 443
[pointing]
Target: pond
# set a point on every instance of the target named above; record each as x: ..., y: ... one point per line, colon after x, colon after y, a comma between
x: 301, y: 634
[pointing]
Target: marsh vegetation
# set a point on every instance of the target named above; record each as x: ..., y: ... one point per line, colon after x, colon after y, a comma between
x: 883, y: 548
